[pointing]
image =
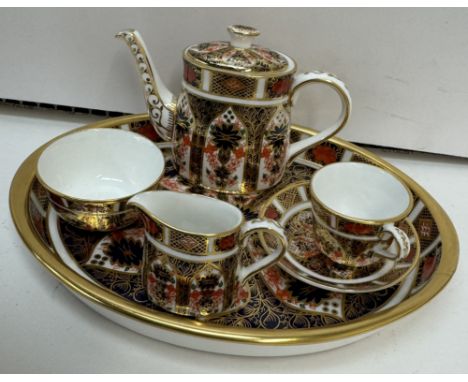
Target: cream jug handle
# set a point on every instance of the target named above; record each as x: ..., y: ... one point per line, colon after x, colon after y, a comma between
x: 262, y: 226
x: 321, y: 78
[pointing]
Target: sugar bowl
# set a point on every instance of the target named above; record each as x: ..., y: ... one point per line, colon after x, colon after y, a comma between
x: 89, y: 175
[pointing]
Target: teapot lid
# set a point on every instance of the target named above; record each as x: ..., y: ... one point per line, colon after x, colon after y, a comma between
x: 240, y: 54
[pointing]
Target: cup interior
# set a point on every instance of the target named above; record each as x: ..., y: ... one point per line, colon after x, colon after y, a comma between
x: 189, y: 212
x: 361, y: 191
x: 100, y: 164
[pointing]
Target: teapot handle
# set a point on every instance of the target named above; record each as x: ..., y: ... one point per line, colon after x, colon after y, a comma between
x: 322, y: 78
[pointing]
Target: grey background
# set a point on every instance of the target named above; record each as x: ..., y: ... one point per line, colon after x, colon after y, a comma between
x: 405, y: 68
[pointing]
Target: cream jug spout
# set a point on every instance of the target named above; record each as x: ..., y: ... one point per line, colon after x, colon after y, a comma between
x: 160, y: 101
x: 143, y: 202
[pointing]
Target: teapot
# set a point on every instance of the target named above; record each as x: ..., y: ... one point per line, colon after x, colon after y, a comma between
x: 230, y: 126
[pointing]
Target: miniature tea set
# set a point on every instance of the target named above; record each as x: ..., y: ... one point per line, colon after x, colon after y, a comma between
x: 212, y: 220
x: 230, y: 133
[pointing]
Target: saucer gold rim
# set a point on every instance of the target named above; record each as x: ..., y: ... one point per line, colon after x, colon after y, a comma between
x: 18, y: 199
x: 347, y: 285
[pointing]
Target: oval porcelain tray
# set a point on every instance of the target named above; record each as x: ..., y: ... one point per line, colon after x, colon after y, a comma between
x: 291, y: 318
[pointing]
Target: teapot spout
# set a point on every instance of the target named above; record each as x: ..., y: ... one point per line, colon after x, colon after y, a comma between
x: 160, y: 101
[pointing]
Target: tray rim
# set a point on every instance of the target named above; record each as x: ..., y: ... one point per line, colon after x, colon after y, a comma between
x: 19, y: 201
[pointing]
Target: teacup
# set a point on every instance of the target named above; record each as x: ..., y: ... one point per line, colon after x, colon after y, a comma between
x: 356, y: 208
x: 89, y: 176
x: 192, y: 259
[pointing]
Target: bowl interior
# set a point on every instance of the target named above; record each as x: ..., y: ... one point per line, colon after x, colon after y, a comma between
x: 100, y: 164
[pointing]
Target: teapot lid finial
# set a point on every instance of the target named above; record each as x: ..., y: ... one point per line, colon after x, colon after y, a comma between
x: 242, y: 36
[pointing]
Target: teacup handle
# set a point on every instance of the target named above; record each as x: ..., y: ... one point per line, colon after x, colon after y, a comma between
x: 262, y: 225
x: 337, y: 85
x: 402, y: 240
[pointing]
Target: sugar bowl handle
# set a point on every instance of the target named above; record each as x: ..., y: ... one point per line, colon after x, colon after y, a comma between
x: 262, y: 226
x: 337, y: 85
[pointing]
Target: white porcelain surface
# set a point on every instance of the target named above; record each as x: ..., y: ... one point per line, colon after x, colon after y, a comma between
x: 190, y: 212
x: 101, y: 164
x: 218, y: 346
x: 360, y: 191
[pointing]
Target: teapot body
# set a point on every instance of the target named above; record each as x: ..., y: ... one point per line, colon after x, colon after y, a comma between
x: 230, y: 148
x: 228, y: 144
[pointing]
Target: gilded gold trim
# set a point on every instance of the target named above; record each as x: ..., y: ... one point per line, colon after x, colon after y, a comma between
x: 203, y: 73
x: 236, y: 248
x: 263, y: 207
x: 206, y: 235
x: 203, y: 65
x: 393, y: 219
x: 89, y: 201
x: 253, y: 97
x: 284, y: 263
x: 19, y: 197
x: 243, y: 30
x: 209, y: 94
x: 347, y: 111
x: 238, y: 101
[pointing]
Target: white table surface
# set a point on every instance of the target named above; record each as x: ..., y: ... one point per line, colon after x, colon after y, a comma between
x: 44, y: 328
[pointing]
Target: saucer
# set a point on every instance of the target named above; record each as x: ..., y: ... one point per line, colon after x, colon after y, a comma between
x: 340, y: 255
x: 291, y: 208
